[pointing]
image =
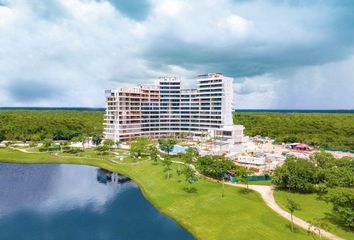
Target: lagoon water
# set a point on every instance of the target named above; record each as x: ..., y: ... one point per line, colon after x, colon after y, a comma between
x: 52, y: 202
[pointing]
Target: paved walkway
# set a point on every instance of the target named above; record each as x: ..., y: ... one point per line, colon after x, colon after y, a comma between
x: 23, y: 150
x: 266, y: 193
x: 268, y: 197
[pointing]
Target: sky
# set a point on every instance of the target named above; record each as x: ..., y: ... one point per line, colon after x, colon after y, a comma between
x: 282, y: 54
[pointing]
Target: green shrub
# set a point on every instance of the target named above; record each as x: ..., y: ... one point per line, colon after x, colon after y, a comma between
x: 322, y: 171
x: 342, y: 200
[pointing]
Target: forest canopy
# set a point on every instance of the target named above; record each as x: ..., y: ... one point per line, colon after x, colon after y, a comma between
x: 27, y: 125
x: 334, y: 131
x: 325, y: 130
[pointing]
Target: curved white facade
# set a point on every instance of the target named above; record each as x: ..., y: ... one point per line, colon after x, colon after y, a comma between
x: 167, y: 109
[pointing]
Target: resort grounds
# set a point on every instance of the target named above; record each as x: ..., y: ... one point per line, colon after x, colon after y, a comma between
x: 203, y: 211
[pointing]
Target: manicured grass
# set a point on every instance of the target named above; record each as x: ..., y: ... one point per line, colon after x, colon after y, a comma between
x: 312, y: 208
x: 204, y: 212
x: 91, y: 153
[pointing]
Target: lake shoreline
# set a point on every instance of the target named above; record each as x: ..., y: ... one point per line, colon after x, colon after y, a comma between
x: 204, y: 214
x: 109, y: 167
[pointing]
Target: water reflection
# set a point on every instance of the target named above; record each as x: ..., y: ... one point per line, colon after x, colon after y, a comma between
x: 107, y: 177
x: 77, y: 202
x: 49, y: 187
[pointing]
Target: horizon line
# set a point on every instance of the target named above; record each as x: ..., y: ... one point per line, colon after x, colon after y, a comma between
x: 234, y: 109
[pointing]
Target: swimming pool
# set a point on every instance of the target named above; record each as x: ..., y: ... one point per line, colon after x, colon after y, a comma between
x: 178, y: 149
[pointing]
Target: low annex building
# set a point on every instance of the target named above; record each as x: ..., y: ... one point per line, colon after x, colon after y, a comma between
x: 167, y: 109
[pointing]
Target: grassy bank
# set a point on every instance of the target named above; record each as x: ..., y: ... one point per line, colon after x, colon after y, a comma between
x: 312, y: 208
x: 204, y: 213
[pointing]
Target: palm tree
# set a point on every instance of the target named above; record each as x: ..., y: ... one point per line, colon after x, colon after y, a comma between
x: 118, y: 143
x: 244, y: 180
x: 80, y: 138
x: 318, y: 224
x: 292, y: 206
x: 223, y: 184
x: 190, y: 176
x: 109, y: 143
x: 183, y: 134
x: 202, y: 136
x: 23, y: 139
x: 153, y: 153
x: 167, y: 166
x: 83, y: 139
x: 215, y: 138
x: 96, y: 139
x: 35, y: 138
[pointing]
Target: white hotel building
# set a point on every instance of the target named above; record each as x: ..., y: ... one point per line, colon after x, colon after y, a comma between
x: 167, y: 109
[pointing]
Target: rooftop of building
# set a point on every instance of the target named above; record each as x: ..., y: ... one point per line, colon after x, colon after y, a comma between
x: 168, y: 79
x: 210, y: 75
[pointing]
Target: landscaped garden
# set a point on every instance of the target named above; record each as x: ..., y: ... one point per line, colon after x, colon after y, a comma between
x: 176, y: 190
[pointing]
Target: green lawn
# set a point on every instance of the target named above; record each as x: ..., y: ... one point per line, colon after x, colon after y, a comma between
x: 91, y: 153
x: 312, y: 208
x: 204, y: 213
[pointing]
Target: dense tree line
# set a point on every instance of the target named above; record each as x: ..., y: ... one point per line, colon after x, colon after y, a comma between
x: 317, y: 129
x: 332, y: 179
x: 36, y: 125
x: 318, y: 174
x: 334, y: 131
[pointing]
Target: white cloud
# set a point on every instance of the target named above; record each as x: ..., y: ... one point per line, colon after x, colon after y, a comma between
x: 171, y: 8
x: 319, y: 87
x: 80, y: 53
x: 256, y: 92
x: 63, y: 187
x: 78, y: 48
x: 7, y: 15
x: 84, y: 190
x: 238, y: 26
